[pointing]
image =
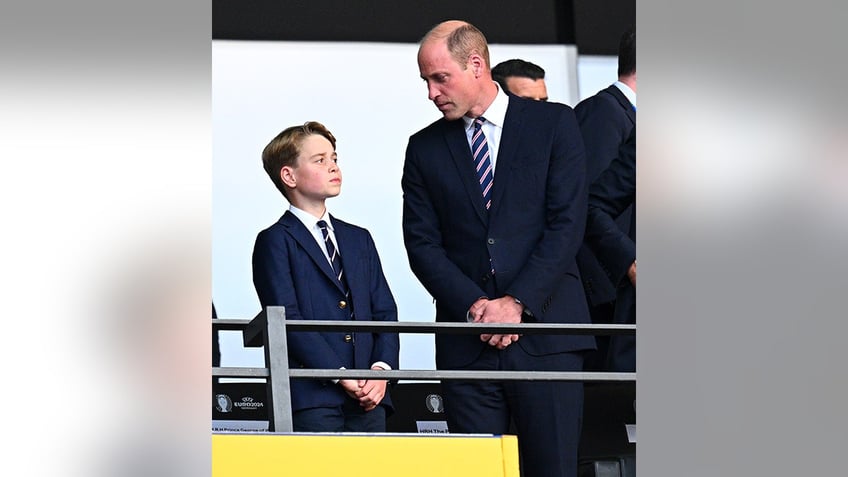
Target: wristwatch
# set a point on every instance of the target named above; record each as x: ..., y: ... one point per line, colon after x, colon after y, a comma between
x: 524, y: 310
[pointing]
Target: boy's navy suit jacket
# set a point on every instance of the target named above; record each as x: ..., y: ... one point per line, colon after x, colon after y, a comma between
x: 290, y: 269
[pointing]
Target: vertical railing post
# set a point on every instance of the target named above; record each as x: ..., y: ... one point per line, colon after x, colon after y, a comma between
x: 277, y: 361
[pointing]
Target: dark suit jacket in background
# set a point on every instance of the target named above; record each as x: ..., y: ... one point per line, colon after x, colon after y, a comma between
x: 606, y: 121
x: 609, y: 196
x: 531, y: 233
x: 290, y: 269
x: 216, y: 348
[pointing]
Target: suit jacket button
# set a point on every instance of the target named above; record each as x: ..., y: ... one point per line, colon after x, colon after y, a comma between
x: 342, y: 304
x: 348, y: 338
x: 490, y: 241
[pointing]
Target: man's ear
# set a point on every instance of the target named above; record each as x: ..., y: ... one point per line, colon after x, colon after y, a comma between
x: 288, y: 176
x: 477, y: 64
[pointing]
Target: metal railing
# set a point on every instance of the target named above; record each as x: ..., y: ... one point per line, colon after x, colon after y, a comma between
x: 271, y: 333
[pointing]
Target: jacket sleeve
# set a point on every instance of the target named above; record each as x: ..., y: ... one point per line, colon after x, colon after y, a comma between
x: 609, y: 196
x: 428, y: 259
x: 565, y: 218
x: 383, y: 308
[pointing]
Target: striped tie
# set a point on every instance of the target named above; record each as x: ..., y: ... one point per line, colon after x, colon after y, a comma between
x: 482, y: 162
x: 335, y: 259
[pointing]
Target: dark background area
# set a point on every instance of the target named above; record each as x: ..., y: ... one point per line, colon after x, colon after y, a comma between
x: 594, y: 26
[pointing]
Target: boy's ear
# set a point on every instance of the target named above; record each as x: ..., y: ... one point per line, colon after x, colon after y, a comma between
x: 288, y: 177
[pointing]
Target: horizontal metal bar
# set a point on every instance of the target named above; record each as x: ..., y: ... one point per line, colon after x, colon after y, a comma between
x: 231, y: 321
x: 229, y: 324
x: 459, y: 328
x: 422, y: 374
x: 269, y: 327
x: 241, y: 372
x: 472, y: 375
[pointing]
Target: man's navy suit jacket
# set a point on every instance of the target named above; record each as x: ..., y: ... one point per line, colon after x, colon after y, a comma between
x: 609, y: 196
x: 290, y: 269
x: 530, y: 235
x: 606, y: 120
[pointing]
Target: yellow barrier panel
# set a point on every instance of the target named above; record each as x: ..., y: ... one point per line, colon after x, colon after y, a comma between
x: 375, y: 455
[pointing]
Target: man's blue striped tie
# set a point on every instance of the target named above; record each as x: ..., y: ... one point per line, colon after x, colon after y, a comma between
x: 482, y: 161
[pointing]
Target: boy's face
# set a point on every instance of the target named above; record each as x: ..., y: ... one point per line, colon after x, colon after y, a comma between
x: 316, y: 175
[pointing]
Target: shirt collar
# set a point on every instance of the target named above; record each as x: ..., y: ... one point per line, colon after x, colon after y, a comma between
x: 496, y: 114
x: 309, y: 220
x: 626, y: 91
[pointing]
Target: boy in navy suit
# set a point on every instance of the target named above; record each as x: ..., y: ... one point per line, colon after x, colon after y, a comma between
x: 320, y: 268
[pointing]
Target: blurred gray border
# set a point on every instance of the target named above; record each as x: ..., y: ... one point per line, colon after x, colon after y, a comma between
x: 741, y: 313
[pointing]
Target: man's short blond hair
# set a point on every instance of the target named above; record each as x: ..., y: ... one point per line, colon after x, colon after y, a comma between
x: 462, y: 39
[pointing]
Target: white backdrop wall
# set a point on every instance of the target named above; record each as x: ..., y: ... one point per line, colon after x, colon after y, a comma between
x: 595, y: 73
x: 372, y: 99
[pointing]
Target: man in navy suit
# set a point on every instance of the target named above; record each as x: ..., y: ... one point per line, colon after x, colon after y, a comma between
x: 613, y: 193
x: 502, y: 250
x: 606, y: 121
x: 321, y: 268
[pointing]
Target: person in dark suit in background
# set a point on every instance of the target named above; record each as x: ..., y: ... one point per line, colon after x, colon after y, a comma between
x: 609, y: 196
x: 606, y: 121
x: 521, y: 78
x: 321, y: 268
x: 494, y: 210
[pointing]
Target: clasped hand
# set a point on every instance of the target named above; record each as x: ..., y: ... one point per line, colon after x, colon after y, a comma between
x: 369, y: 392
x: 499, y: 310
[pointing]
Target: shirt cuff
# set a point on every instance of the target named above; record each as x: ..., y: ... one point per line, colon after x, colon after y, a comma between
x: 336, y: 381
x: 524, y: 310
x: 382, y: 364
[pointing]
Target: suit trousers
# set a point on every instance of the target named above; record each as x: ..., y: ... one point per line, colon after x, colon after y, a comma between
x: 546, y: 414
x: 349, y: 417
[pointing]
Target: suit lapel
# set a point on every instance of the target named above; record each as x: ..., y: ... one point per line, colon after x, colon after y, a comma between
x: 507, y: 148
x: 624, y: 102
x: 304, y: 238
x: 347, y: 250
x: 461, y: 153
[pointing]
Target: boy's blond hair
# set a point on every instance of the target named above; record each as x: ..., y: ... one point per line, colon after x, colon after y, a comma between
x: 284, y: 149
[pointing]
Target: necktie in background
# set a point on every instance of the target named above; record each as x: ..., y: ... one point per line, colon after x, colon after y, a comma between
x: 482, y: 161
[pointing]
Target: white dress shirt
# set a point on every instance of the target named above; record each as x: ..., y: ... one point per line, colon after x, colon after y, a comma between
x: 627, y: 92
x: 492, y: 127
x: 311, y: 224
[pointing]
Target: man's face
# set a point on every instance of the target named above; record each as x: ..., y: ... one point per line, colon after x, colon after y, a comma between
x: 527, y: 88
x: 450, y: 86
